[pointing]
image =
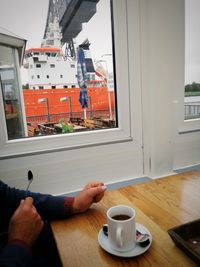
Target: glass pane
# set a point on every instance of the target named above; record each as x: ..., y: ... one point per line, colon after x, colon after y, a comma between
x: 192, y: 59
x: 10, y: 93
x: 68, y: 80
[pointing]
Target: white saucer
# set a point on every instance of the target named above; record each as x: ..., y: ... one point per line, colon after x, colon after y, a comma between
x: 138, y: 250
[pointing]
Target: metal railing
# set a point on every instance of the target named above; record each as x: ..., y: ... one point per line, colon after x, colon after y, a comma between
x: 191, y: 111
x: 66, y: 116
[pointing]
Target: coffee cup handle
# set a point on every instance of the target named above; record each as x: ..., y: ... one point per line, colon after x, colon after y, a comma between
x: 119, y: 237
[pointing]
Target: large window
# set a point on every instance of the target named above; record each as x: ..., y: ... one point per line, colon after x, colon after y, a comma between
x: 79, y: 41
x: 90, y: 105
x: 192, y: 60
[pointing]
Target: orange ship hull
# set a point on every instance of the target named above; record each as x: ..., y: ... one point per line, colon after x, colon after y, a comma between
x: 36, y: 112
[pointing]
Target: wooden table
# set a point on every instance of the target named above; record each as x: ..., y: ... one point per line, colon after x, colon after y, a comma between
x: 160, y: 204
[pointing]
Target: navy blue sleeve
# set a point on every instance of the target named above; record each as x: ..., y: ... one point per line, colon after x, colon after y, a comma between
x: 15, y: 256
x: 49, y: 207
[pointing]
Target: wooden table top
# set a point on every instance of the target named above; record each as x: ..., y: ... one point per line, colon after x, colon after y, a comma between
x: 160, y: 205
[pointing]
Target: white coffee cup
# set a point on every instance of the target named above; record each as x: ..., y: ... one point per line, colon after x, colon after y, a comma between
x: 121, y: 228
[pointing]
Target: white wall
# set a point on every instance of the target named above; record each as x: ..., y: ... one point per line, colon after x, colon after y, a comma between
x: 162, y: 35
x: 67, y: 171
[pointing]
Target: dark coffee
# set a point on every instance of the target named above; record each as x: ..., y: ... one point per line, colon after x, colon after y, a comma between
x: 121, y: 217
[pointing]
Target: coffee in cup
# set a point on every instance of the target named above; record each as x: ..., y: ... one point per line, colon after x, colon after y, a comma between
x: 121, y: 228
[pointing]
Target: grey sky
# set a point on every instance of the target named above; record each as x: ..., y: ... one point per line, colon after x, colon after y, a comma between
x: 192, y: 41
x: 27, y: 19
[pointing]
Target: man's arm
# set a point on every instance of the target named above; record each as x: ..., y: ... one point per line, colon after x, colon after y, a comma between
x: 24, y: 228
x: 52, y: 207
x: 17, y: 251
x: 49, y: 207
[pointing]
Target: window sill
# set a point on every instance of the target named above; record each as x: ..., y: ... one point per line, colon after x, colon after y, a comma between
x: 190, y: 126
x: 50, y: 144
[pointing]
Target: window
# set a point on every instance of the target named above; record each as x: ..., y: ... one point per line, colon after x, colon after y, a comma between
x: 101, y: 115
x: 192, y: 60
x: 97, y: 104
x: 9, y: 85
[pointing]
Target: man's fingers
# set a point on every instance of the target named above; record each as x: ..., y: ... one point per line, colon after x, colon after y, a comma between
x: 22, y: 201
x: 98, y: 197
x: 28, y: 202
x: 94, y: 191
x: 93, y: 184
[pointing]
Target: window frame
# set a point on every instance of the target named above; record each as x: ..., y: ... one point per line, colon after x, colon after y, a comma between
x: 47, y: 144
x: 190, y: 125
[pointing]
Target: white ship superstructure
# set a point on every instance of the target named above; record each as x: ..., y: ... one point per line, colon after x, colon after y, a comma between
x: 47, y: 69
x: 47, y: 66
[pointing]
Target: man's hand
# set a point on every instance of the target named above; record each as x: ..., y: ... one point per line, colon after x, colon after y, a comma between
x: 92, y: 193
x: 25, y: 224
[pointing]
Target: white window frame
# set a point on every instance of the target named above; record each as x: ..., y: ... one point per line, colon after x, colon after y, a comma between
x: 31, y: 146
x: 192, y: 125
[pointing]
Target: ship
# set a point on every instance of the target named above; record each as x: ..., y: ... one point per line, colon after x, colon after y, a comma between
x: 53, y: 89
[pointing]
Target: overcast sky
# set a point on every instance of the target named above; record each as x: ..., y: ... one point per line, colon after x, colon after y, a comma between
x: 192, y: 41
x: 27, y: 19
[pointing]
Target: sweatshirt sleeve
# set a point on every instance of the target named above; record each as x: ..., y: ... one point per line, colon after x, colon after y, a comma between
x: 54, y: 207
x: 49, y: 207
x: 15, y: 255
